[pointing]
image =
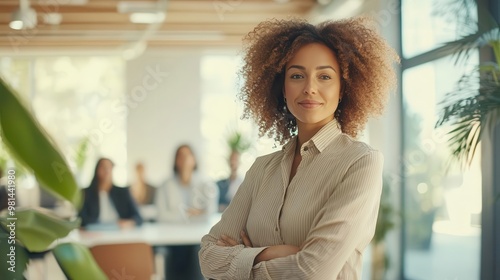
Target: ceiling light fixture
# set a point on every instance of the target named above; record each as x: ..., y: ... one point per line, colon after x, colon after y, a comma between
x: 147, y: 18
x: 153, y: 14
x: 127, y: 7
x: 52, y: 18
x: 24, y: 17
x: 143, y: 12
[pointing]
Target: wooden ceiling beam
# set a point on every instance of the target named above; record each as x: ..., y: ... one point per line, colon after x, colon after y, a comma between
x: 172, y: 6
x: 97, y: 23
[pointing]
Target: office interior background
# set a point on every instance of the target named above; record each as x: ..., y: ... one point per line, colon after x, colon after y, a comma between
x: 134, y: 91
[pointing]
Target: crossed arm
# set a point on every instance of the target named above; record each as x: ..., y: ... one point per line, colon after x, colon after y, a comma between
x: 344, y: 226
x: 271, y: 252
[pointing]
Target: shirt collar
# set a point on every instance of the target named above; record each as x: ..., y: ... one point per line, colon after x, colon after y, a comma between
x: 326, y: 134
x: 321, y: 139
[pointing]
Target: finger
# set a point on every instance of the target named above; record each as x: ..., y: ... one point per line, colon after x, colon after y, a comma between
x: 245, y: 239
x: 229, y: 240
x: 221, y: 243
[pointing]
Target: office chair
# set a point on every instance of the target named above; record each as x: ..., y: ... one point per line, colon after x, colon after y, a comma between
x: 132, y: 261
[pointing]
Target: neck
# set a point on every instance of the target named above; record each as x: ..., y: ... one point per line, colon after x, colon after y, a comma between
x: 306, y: 131
x: 139, y: 184
x: 104, y: 186
x: 140, y: 180
x: 185, y: 177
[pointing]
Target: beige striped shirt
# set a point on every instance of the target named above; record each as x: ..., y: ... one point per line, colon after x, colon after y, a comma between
x: 329, y: 210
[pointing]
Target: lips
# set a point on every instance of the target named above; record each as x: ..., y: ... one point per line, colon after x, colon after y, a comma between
x: 310, y: 104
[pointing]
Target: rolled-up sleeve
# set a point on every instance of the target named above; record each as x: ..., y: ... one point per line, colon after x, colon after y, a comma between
x: 345, y: 224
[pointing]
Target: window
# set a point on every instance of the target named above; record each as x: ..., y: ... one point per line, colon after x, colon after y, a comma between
x: 429, y: 23
x: 442, y: 204
x: 76, y: 98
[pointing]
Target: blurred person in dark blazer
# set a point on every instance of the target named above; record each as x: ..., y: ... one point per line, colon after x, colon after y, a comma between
x: 106, y: 203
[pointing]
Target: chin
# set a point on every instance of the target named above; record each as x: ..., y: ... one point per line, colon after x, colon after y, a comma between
x: 309, y: 121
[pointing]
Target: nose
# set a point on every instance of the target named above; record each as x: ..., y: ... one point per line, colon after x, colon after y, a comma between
x: 310, y: 86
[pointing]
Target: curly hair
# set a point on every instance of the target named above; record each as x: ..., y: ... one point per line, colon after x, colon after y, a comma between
x: 365, y: 59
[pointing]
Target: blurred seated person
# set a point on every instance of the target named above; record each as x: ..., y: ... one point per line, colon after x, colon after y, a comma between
x: 105, y: 203
x: 186, y: 196
x: 229, y: 186
x: 142, y: 192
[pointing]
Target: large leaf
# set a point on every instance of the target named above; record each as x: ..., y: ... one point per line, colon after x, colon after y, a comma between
x: 37, y: 229
x: 12, y: 262
x: 472, y: 108
x: 28, y: 142
x: 77, y: 262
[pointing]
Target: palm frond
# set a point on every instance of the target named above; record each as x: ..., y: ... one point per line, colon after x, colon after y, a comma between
x: 463, y: 47
x: 473, y: 33
x: 468, y: 111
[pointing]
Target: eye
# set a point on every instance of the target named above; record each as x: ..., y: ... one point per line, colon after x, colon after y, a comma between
x: 296, y: 76
x: 325, y: 77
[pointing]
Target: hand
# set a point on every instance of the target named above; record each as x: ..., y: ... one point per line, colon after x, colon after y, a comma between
x: 274, y: 252
x: 227, y: 241
x: 191, y: 212
x: 124, y: 224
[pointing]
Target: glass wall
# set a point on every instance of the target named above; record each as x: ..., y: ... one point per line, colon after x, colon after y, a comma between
x: 442, y: 203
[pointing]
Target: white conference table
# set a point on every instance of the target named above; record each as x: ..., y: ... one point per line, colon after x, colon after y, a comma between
x: 155, y: 234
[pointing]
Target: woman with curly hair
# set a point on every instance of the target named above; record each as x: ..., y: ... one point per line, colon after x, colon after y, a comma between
x: 309, y: 210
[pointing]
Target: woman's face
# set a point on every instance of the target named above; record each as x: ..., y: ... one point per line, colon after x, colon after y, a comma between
x: 105, y: 171
x: 185, y: 160
x: 312, y: 85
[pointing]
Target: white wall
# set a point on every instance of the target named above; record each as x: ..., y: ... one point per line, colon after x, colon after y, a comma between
x: 164, y: 109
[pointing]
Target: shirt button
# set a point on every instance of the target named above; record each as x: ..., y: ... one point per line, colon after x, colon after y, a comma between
x: 306, y: 148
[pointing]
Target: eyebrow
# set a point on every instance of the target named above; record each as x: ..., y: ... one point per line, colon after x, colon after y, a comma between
x: 317, y: 68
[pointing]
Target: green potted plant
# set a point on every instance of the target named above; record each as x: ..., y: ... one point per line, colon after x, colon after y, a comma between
x: 27, y: 231
x: 474, y: 106
x: 385, y: 223
x: 237, y: 142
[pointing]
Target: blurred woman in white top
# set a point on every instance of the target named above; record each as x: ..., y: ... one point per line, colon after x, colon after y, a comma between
x: 187, y: 196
